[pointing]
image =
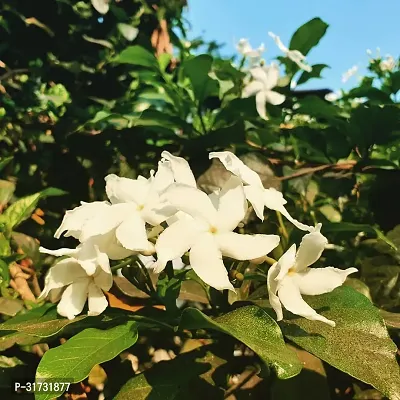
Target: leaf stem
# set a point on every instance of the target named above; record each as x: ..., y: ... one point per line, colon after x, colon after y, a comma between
x: 282, y: 226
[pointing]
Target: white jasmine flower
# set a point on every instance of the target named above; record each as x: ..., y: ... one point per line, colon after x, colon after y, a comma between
x: 256, y: 194
x: 82, y: 276
x: 295, y: 55
x: 122, y: 221
x: 388, y: 64
x: 245, y: 49
x: 208, y: 234
x: 349, y: 73
x: 264, y: 80
x: 290, y: 278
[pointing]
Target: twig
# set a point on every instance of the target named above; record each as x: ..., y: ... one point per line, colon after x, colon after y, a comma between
x: 12, y: 72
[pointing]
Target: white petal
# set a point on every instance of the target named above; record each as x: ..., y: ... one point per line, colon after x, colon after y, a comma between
x: 310, y: 249
x: 259, y: 74
x: 148, y: 261
x: 109, y: 244
x: 175, y: 241
x: 156, y: 212
x: 61, y: 274
x: 132, y: 234
x: 101, y: 6
x: 191, y: 201
x: 178, y: 264
x: 261, y: 99
x: 162, y: 179
x: 75, y: 219
x: 73, y: 299
x: 246, y: 247
x: 255, y: 195
x: 232, y: 205
x: 286, y: 262
x: 296, y: 223
x: 206, y: 260
x: 252, y: 88
x: 97, y: 301
x: 274, y: 98
x: 243, y: 46
x: 235, y: 165
x: 315, y: 281
x: 274, y: 200
x: 278, y: 42
x: 59, y: 252
x: 272, y: 76
x: 296, y: 55
x: 106, y: 221
x: 124, y: 190
x: 272, y: 286
x: 180, y: 169
x: 291, y: 299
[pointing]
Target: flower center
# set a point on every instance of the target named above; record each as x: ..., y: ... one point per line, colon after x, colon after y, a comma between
x: 291, y: 271
x: 213, y: 229
x: 140, y: 207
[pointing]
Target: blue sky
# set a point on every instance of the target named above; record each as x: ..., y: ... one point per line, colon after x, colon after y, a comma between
x: 355, y: 25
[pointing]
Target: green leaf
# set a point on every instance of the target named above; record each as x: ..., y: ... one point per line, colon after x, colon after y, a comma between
x: 315, y: 73
x: 395, y: 80
x: 359, y: 344
x: 168, y: 288
x: 352, y: 227
x: 197, y: 69
x: 4, y: 272
x: 316, y: 107
x: 188, y: 376
x: 308, y: 35
x: 4, y: 162
x: 29, y: 246
x: 10, y: 306
x: 47, y: 325
x: 137, y: 55
x: 256, y: 329
x: 7, y: 189
x: 74, y: 359
x: 23, y: 208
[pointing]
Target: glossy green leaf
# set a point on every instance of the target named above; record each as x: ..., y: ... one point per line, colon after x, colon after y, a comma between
x: 197, y: 69
x: 315, y: 73
x: 137, y: 55
x: 188, y: 376
x: 46, y: 325
x: 256, y: 329
x: 74, y: 359
x: 308, y: 35
x: 359, y: 344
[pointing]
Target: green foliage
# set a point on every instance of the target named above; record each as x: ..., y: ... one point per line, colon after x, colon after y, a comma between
x: 255, y: 328
x: 75, y: 358
x: 359, y: 345
x: 84, y: 97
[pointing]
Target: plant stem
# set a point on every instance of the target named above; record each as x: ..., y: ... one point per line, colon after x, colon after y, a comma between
x: 130, y: 260
x: 282, y: 225
x: 147, y: 276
